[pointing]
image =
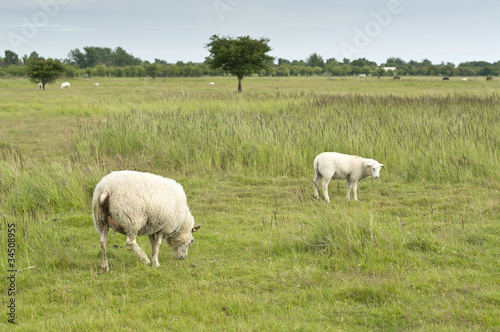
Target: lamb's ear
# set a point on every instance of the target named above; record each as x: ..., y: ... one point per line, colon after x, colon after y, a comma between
x: 368, y: 163
x: 381, y: 165
x: 197, y: 228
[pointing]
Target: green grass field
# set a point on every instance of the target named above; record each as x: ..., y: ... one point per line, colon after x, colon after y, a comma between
x: 419, y: 251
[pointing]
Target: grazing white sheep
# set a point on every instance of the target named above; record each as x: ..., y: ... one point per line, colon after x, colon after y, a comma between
x: 464, y: 79
x: 362, y: 76
x: 40, y: 86
x: 333, y: 165
x: 211, y: 83
x: 135, y: 203
x: 96, y: 85
x: 65, y: 85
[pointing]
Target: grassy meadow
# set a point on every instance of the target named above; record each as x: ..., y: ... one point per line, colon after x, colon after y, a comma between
x: 419, y: 251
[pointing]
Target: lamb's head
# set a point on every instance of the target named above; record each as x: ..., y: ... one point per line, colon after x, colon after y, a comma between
x: 182, y: 241
x: 373, y: 167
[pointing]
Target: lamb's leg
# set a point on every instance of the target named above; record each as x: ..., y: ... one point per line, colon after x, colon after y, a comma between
x: 325, y: 183
x: 349, y: 186
x: 316, y: 182
x: 355, y: 190
x: 155, y: 245
x: 104, y: 236
x: 132, y: 244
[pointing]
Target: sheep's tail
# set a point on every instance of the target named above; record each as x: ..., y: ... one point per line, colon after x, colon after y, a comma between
x: 104, y: 201
x: 100, y: 210
x: 316, y: 172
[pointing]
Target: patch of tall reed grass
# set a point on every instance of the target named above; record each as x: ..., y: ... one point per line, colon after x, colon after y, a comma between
x: 28, y: 186
x: 433, y: 138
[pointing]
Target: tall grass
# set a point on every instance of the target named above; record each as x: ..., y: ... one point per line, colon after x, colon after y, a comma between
x: 433, y: 138
x: 28, y: 186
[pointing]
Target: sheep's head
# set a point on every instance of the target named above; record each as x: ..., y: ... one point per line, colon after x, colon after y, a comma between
x: 181, y: 243
x: 373, y: 168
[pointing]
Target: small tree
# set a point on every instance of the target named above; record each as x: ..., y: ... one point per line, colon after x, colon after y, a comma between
x: 44, y: 71
x: 317, y: 70
x: 241, y: 56
x: 152, y: 69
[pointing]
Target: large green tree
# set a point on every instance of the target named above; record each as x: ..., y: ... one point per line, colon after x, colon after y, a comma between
x: 94, y: 56
x: 315, y: 60
x: 11, y: 58
x: 121, y: 58
x: 241, y: 56
x: 44, y: 71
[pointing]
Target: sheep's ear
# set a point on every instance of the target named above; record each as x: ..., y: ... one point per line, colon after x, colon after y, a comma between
x: 381, y: 165
x: 368, y: 163
x: 197, y: 228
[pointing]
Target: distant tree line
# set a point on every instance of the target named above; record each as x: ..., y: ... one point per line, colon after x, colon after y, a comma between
x: 106, y: 62
x: 315, y: 65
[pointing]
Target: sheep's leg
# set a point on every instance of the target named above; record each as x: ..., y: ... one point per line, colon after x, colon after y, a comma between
x: 132, y: 244
x: 316, y: 182
x: 349, y: 186
x: 325, y: 183
x: 354, y: 186
x: 155, y: 245
x: 154, y: 254
x: 104, y: 236
x: 355, y: 190
x: 152, y: 239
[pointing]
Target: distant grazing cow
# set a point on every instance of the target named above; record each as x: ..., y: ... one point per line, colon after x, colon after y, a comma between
x: 396, y: 78
x: 446, y: 78
x: 489, y: 78
x: 65, y: 85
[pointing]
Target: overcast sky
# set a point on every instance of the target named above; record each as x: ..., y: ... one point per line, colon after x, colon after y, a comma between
x: 439, y: 30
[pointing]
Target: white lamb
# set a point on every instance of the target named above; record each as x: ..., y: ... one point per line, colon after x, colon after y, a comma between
x: 96, y: 85
x: 65, y: 85
x: 333, y: 165
x: 40, y: 86
x: 211, y: 83
x: 135, y: 203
